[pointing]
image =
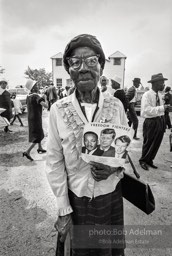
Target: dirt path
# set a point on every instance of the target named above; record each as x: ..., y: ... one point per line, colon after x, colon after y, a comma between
x: 28, y: 207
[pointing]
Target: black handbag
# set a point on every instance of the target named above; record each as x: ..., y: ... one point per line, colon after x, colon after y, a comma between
x: 137, y: 192
x: 62, y: 249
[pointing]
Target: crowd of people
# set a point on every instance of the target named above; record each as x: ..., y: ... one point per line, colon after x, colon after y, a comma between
x: 90, y: 193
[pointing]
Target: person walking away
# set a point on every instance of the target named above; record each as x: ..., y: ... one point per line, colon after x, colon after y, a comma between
x: 86, y: 193
x: 34, y: 108
x: 132, y: 96
x: 17, y: 109
x: 5, y: 102
x: 152, y: 109
x: 119, y: 92
x: 51, y: 95
x: 167, y: 101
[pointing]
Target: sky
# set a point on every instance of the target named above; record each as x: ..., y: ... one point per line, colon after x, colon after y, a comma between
x: 33, y: 31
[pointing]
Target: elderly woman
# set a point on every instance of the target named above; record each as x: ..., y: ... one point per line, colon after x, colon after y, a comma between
x: 34, y: 108
x: 86, y: 193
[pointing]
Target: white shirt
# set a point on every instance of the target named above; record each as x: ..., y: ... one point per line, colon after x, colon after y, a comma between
x: 148, y: 105
x: 90, y: 152
x: 89, y: 110
x: 17, y: 106
x: 65, y: 167
x: 1, y: 91
x: 134, y: 99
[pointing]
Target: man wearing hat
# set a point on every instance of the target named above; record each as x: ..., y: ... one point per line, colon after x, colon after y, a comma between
x: 86, y: 193
x: 132, y: 115
x: 152, y: 109
x: 5, y: 102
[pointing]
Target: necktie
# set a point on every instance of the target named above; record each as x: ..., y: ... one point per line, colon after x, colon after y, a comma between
x: 157, y: 100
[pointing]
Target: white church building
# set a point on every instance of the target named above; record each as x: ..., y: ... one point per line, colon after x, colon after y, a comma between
x: 114, y: 66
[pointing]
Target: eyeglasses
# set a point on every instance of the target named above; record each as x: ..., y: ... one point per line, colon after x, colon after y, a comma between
x: 76, y: 62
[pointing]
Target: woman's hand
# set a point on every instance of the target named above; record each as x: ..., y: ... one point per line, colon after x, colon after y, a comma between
x: 62, y: 225
x: 102, y: 172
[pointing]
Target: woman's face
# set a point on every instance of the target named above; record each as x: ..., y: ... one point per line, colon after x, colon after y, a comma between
x: 85, y: 77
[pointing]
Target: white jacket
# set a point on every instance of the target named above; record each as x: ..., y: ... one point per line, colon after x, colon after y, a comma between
x: 65, y: 168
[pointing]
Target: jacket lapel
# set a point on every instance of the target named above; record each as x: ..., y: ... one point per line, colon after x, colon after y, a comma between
x: 100, y: 106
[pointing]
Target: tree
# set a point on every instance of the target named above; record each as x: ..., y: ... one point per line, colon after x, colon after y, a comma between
x: 40, y: 75
x: 2, y: 70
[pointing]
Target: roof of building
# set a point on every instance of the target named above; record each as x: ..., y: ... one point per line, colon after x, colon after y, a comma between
x: 117, y: 54
x: 58, y: 55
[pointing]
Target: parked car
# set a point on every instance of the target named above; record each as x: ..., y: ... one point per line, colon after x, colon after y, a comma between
x: 21, y: 94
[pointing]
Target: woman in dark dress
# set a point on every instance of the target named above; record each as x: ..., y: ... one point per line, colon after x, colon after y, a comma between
x: 5, y: 102
x: 34, y: 107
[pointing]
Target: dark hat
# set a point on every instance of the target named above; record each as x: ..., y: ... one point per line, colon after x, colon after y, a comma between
x: 157, y: 77
x: 167, y: 89
x: 136, y: 79
x: 3, y: 81
x: 84, y: 40
x: 115, y: 85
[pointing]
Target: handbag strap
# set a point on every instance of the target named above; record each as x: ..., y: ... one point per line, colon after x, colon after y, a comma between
x: 134, y: 169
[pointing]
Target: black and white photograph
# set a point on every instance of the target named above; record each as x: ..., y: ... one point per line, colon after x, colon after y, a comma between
x: 85, y: 127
